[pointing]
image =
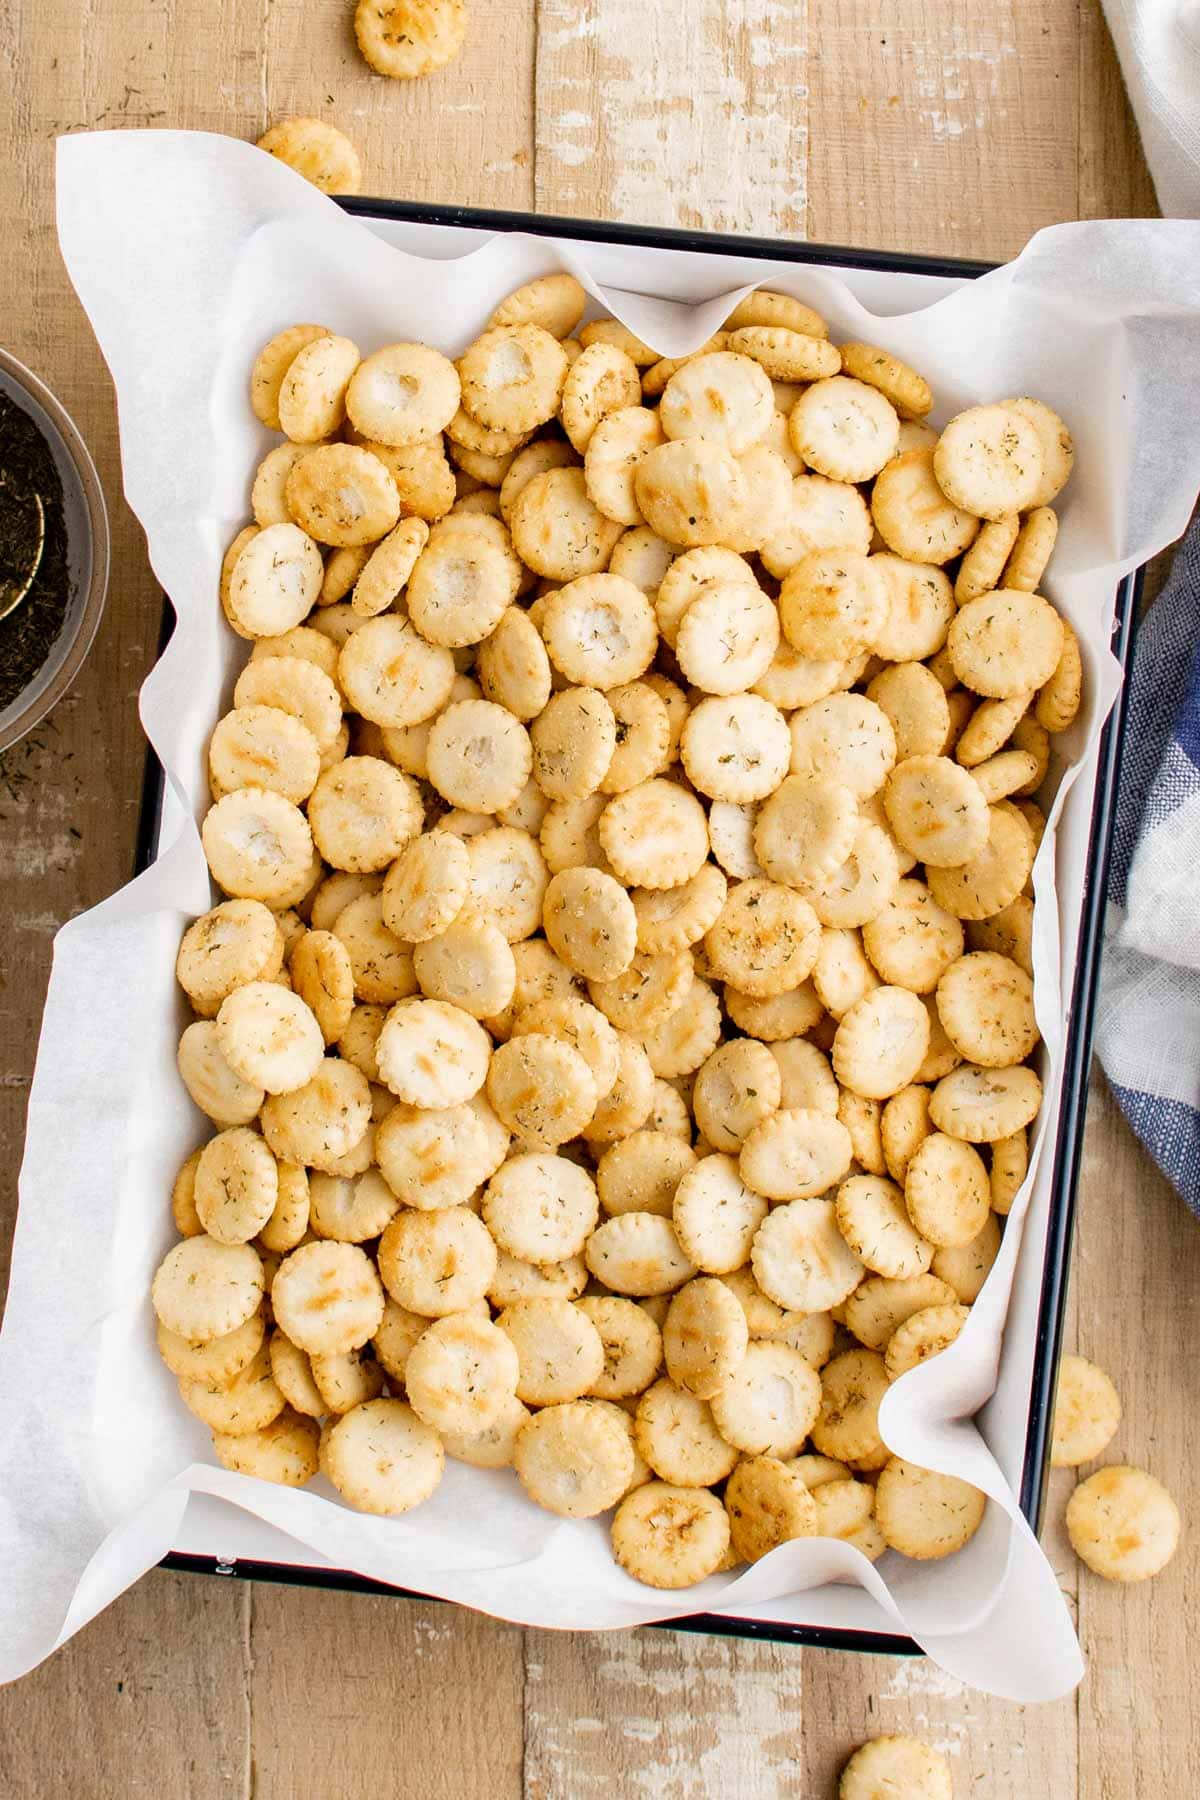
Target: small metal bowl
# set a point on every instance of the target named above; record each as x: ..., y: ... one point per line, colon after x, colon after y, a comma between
x: 87, y: 550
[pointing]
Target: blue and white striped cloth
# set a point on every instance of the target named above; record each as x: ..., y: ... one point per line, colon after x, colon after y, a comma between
x: 1148, y: 1016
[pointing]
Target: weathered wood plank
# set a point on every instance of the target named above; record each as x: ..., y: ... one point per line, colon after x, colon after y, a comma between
x: 151, y: 1699
x: 364, y: 1695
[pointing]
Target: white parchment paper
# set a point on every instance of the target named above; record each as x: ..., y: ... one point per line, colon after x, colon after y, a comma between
x: 188, y: 252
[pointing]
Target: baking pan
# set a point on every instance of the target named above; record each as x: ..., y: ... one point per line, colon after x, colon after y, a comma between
x: 1069, y: 1139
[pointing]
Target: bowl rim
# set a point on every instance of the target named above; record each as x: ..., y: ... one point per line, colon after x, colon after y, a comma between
x: 76, y: 648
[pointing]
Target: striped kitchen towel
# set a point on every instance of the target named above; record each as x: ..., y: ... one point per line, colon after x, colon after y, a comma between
x: 1148, y: 1016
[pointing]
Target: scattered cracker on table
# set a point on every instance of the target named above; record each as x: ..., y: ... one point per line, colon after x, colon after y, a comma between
x: 615, y: 1026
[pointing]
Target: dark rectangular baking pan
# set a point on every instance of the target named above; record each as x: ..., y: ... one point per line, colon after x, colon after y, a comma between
x: 1079, y: 1039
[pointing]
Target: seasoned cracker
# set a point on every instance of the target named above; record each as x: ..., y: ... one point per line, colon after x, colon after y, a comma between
x: 842, y: 975
x: 362, y: 813
x: 847, y: 1427
x: 382, y: 1458
x: 872, y: 1218
x: 806, y: 1079
x: 211, y: 1083
x: 670, y: 1537
x: 1010, y: 1165
x: 559, y: 1350
x: 880, y: 1305
x: 1087, y: 1412
x: 637, y: 1254
x: 556, y: 302
x: 914, y: 516
x: 895, y: 1765
x: 993, y: 877
x: 556, y: 529
x: 881, y: 1042
x: 946, y: 1189
x: 676, y: 1433
x: 912, y: 941
x: 705, y: 1338
x: 796, y: 1154
x: 232, y: 944
x: 327, y: 1298
x: 1057, y: 704
x: 1005, y: 643
x: 923, y: 1514
x: 654, y: 835
x: 432, y: 1054
x: 574, y: 1459
x: 800, y: 1259
x: 247, y: 1403
x: 986, y: 1007
x: 936, y: 811
x: 542, y: 1088
x: 1058, y: 452
x: 922, y: 1335
x: 765, y: 939
x: 381, y: 964
x: 903, y: 1127
x: 727, y: 637
x: 769, y: 1404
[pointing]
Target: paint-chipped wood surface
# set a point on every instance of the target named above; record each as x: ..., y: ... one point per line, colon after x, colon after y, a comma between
x: 957, y: 127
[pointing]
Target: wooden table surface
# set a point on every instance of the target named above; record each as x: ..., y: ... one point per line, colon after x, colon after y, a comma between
x: 959, y: 127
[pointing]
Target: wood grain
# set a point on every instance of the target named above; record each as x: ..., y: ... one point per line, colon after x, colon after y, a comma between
x: 381, y: 1696
x: 956, y: 127
x: 151, y: 1700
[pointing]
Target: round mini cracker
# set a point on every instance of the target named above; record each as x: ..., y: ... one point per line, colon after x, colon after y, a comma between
x: 362, y: 813
x: 513, y: 667
x: 676, y: 918
x: 603, y: 379
x: 1087, y: 1412
x: 426, y: 887
x: 468, y: 964
x: 1123, y: 1524
x: 541, y: 1207
x: 556, y: 528
x: 844, y: 428
x: 989, y: 461
x: 872, y: 1217
x: 262, y: 746
x: 247, y: 1403
x: 432, y: 1054
x: 923, y: 1514
x: 599, y: 630
x: 1005, y: 643
x: 833, y: 603
x: 582, y: 1026
x: 556, y: 302
x: 727, y: 637
x: 705, y: 1338
x: 993, y: 877
x: 573, y: 740
x: 923, y: 1334
x: 479, y: 756
x: 900, y: 1766
x: 380, y: 962
x: 670, y: 1537
x: 765, y: 939
x: 722, y: 397
x: 461, y: 1373
x: 574, y: 1459
x: 203, y: 1289
x: 912, y: 941
x: 914, y: 516
x: 769, y: 1404
x: 295, y: 684
x: 642, y: 1173
x: 846, y: 737
x: 655, y: 835
x: 800, y: 1259
x: 340, y: 494
x: 985, y: 1002
x: 257, y: 844
x: 735, y: 1089
x: 633, y: 1346
x: 736, y: 747
x: 542, y: 1088
x: 966, y: 1267
x: 433, y: 1158
x: 236, y: 1186
x: 676, y: 1434
x: 403, y: 394
x: 436, y: 1263
x: 270, y: 1037
x: 946, y: 1190
x: 879, y: 1306
x: 615, y: 447
x: 214, y: 1087
x: 936, y: 811
x: 716, y: 1215
x: 796, y: 1154
x: 1058, y: 451
x: 285, y: 1451
x: 768, y: 1505
x: 326, y: 1296
x: 215, y: 1361
x: 805, y: 828
x: 392, y: 675
x: 559, y: 1350
x: 688, y: 490
x: 638, y: 1254
x: 382, y: 1458
x: 847, y: 1427
x: 983, y: 1105
x: 272, y: 364
x: 234, y: 942
x: 881, y: 1042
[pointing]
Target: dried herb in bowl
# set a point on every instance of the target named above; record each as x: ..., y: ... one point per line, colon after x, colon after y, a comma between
x: 28, y: 634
